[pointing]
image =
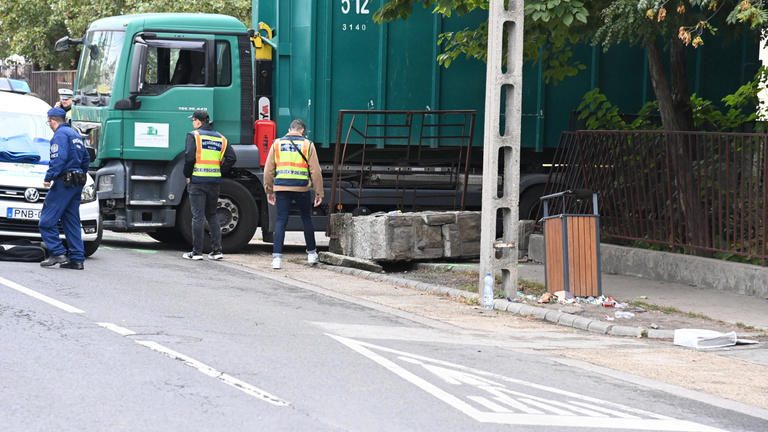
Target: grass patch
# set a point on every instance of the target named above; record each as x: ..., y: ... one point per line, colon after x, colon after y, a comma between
x: 747, y: 327
x: 669, y: 310
x: 525, y: 286
x: 531, y: 287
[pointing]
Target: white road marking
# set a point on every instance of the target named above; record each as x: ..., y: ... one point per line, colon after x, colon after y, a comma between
x: 604, y: 410
x: 213, y: 373
x: 468, y: 382
x: 42, y: 297
x: 489, y: 404
x: 207, y: 370
x: 122, y: 331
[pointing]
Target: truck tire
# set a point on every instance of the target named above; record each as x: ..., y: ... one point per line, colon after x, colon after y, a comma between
x: 530, y: 205
x: 238, y: 215
x: 167, y: 235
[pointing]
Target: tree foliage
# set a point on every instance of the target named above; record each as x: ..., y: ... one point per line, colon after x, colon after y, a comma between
x: 31, y: 27
x: 554, y: 27
x: 555, y: 24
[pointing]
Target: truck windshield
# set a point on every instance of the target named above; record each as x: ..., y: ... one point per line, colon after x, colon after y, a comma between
x: 98, y: 62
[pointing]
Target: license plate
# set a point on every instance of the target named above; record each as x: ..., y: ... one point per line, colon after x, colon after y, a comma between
x: 23, y: 213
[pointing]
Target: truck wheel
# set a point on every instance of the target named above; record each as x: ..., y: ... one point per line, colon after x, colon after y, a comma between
x: 530, y: 205
x: 238, y: 215
x: 167, y: 235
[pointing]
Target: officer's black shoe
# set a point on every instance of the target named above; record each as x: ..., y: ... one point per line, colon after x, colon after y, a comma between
x: 53, y: 260
x: 72, y: 265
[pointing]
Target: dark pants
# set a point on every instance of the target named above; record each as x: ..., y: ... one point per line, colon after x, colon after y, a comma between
x: 303, y: 201
x: 62, y: 203
x: 203, y: 199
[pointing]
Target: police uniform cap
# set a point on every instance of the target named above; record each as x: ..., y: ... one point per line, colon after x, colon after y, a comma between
x: 57, y: 112
x: 201, y: 115
x: 65, y: 93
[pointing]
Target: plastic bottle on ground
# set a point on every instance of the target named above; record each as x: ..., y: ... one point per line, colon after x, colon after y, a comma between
x: 487, y: 294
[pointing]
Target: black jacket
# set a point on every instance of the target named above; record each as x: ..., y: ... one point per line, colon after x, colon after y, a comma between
x: 189, y: 158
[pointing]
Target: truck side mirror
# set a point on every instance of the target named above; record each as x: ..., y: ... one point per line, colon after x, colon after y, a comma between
x: 65, y: 43
x: 138, y: 63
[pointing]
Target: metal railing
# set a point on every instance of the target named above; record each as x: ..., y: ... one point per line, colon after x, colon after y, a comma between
x: 46, y: 84
x: 403, y: 151
x: 694, y: 192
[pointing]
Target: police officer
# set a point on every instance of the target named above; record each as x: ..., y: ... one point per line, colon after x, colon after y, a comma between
x: 292, y: 169
x: 66, y: 177
x: 65, y: 102
x: 206, y: 156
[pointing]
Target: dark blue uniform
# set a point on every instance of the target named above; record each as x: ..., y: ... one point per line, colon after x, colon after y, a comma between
x: 68, y: 154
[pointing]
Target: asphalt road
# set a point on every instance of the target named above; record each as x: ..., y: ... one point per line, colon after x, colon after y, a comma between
x: 145, y: 341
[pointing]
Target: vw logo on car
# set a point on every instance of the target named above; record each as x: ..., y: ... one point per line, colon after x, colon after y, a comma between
x: 32, y: 195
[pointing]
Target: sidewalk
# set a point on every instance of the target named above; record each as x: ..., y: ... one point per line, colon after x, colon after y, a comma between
x: 719, y: 305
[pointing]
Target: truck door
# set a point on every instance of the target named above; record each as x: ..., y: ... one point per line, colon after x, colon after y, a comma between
x: 176, y: 77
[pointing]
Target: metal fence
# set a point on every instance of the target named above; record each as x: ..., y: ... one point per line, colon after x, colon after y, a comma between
x: 46, y: 84
x: 406, y: 152
x: 694, y: 192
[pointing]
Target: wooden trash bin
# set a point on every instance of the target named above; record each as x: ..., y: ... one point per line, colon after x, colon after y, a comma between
x: 572, y: 246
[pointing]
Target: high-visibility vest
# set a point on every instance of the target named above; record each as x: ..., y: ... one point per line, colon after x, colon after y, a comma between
x: 209, y: 150
x: 291, y: 168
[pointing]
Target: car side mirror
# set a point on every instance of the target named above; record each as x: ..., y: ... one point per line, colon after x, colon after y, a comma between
x: 91, y: 152
x: 65, y: 43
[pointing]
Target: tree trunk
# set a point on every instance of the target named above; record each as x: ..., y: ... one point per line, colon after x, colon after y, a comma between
x: 674, y: 101
x: 674, y: 98
x: 681, y: 92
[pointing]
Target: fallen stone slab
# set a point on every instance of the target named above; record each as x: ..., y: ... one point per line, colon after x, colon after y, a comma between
x: 345, y: 261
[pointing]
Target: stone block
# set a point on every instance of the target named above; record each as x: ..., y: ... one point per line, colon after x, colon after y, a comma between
x: 345, y: 261
x: 566, y: 320
x: 435, y: 218
x: 526, y: 310
x: 637, y: 332
x: 582, y: 323
x: 427, y: 241
x: 553, y: 316
x: 661, y: 334
x: 599, y: 327
x: 340, y: 239
x: 451, y: 241
x: 469, y: 225
x: 399, y: 219
x: 540, y: 312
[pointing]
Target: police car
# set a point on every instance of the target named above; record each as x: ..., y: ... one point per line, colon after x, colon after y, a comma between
x: 24, y: 156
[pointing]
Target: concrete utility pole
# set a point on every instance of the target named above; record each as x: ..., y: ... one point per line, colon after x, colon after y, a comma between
x: 501, y: 149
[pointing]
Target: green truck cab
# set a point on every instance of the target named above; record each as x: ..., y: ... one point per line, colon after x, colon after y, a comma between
x: 139, y: 79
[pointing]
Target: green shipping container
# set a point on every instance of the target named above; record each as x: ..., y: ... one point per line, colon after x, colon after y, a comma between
x: 332, y: 56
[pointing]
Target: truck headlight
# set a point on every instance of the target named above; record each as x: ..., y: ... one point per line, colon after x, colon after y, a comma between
x: 106, y: 183
x: 89, y: 193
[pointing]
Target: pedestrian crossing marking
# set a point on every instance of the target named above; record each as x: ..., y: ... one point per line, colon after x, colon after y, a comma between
x: 492, y: 398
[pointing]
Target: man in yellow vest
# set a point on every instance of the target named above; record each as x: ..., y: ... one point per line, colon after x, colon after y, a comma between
x: 206, y: 157
x: 292, y: 170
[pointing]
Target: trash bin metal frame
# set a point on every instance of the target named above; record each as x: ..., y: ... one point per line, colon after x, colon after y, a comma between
x: 572, y: 249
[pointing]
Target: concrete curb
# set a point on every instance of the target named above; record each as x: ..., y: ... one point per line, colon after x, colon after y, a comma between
x: 521, y: 309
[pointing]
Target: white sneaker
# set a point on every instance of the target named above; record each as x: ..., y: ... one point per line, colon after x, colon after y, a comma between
x: 312, y: 258
x: 192, y: 256
x: 216, y: 255
x: 277, y: 263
